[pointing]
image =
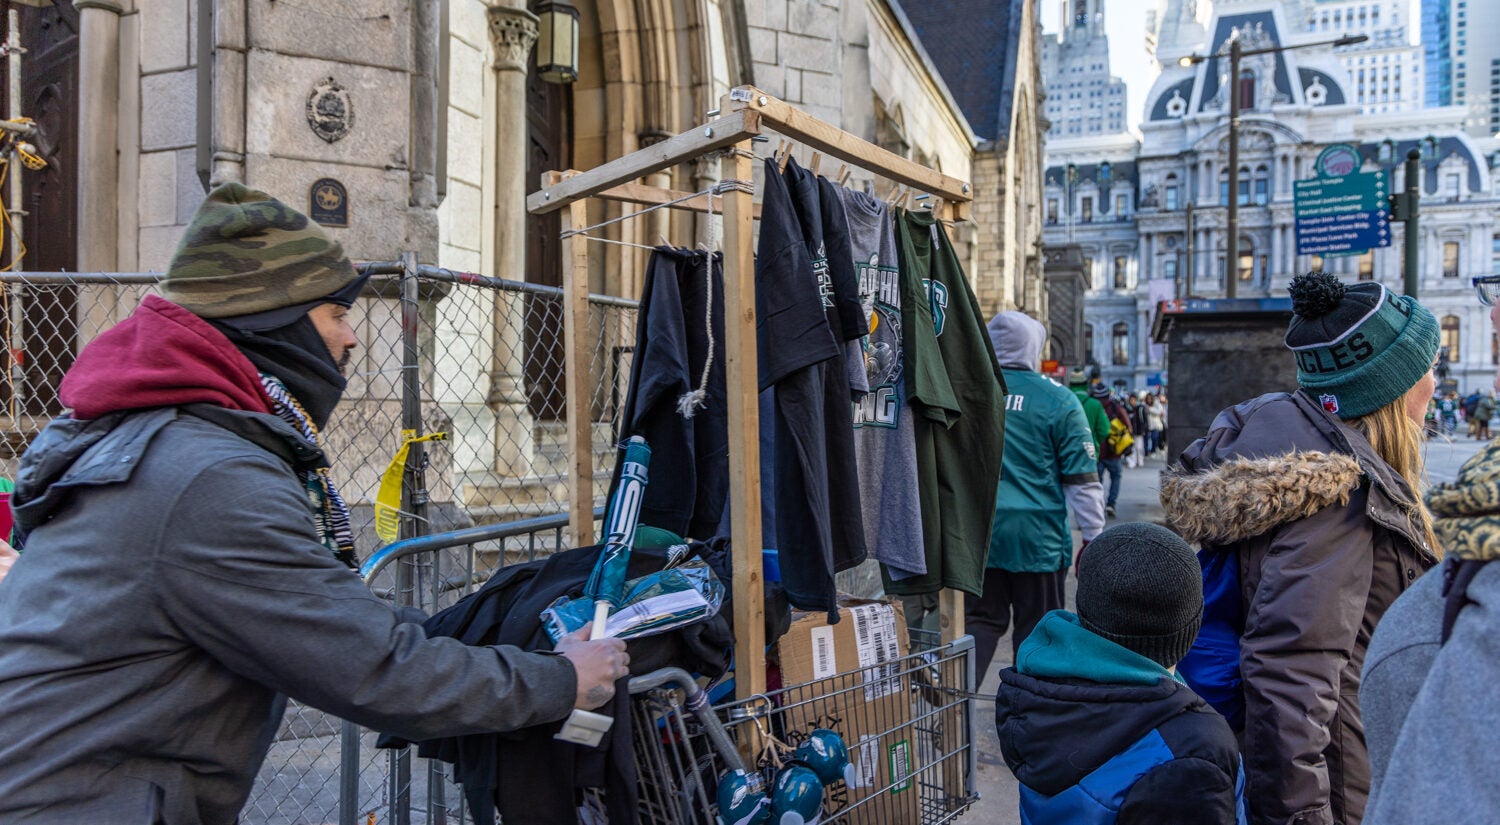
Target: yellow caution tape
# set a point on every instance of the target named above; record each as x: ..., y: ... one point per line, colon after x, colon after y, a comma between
x: 388, y: 500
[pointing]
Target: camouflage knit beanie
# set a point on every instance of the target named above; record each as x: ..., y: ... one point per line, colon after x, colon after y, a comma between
x: 246, y: 252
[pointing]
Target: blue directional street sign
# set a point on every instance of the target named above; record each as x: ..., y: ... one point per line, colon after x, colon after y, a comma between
x: 1344, y: 232
x: 1343, y: 214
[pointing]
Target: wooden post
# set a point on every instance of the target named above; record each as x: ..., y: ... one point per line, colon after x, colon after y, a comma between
x: 742, y: 376
x: 950, y: 614
x: 580, y: 387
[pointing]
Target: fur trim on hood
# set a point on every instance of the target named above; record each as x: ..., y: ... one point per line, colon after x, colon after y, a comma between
x: 1245, y: 497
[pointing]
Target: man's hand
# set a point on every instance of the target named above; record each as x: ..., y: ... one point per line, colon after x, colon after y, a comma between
x: 598, y: 665
x: 8, y: 557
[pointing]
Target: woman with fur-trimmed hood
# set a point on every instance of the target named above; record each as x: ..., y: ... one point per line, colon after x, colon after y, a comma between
x: 1313, y: 491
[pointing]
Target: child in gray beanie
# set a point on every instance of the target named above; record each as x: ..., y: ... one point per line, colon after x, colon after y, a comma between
x: 1093, y: 718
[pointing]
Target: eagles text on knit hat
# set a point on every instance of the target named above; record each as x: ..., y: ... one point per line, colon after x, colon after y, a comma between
x: 1358, y: 347
x: 1141, y: 587
x: 246, y: 252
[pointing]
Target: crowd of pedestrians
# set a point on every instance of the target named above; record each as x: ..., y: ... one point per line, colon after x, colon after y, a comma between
x: 1302, y: 667
x: 1330, y: 680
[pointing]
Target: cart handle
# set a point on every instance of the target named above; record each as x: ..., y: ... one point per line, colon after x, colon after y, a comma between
x: 697, y: 702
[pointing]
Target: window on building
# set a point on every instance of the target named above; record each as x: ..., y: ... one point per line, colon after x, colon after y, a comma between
x: 1119, y: 337
x: 1450, y: 259
x: 1451, y: 337
x: 1244, y: 185
x: 1455, y: 184
x: 1170, y: 200
x: 1122, y: 204
x: 1247, y: 90
x: 1088, y: 343
x: 1246, y: 264
x: 1169, y: 270
x: 1367, y: 265
x: 1262, y: 185
x: 1122, y: 272
x: 890, y: 129
x: 1052, y: 210
x: 1088, y: 272
x: 1495, y: 255
x: 1087, y: 212
x: 1223, y: 187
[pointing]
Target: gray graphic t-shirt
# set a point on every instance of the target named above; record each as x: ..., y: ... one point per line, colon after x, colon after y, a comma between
x: 884, y: 437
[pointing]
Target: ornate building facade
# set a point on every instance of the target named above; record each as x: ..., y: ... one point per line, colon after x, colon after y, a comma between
x: 1296, y: 103
x: 433, y: 118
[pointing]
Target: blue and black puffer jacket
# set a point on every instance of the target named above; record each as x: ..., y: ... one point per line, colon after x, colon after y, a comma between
x: 1098, y: 735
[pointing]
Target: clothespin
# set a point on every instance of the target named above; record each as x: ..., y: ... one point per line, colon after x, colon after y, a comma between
x: 845, y: 173
x: 897, y: 196
x: 787, y: 157
x: 817, y: 158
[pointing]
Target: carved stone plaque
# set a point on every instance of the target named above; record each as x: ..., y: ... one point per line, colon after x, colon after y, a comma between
x: 330, y: 112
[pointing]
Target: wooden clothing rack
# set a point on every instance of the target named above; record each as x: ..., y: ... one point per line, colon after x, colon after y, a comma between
x: 746, y: 112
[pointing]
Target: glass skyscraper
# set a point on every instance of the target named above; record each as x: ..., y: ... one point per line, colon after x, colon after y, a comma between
x: 1437, y: 52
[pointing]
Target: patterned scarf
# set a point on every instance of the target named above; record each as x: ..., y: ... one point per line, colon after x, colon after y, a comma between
x: 1466, y: 519
x: 332, y: 513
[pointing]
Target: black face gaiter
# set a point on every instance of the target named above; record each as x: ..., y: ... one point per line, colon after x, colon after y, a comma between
x: 297, y: 355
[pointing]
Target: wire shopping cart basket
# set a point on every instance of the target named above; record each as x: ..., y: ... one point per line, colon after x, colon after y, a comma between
x: 907, y: 726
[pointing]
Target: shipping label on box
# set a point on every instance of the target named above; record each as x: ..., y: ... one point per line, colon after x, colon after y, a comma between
x: 847, y: 677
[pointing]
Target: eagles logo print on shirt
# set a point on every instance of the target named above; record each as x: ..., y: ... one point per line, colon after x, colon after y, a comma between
x: 880, y: 293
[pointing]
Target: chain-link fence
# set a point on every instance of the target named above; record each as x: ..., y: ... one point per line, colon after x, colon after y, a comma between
x: 480, y: 359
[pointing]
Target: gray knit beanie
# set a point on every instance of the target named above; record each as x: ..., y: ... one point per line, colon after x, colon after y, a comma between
x: 1140, y: 586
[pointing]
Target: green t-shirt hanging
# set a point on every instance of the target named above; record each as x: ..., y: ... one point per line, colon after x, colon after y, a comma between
x: 958, y: 394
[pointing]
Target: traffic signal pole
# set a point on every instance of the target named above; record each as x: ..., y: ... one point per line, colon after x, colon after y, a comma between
x: 1405, y: 207
x: 1413, y: 238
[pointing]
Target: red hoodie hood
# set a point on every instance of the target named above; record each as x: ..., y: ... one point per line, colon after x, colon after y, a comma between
x: 161, y: 356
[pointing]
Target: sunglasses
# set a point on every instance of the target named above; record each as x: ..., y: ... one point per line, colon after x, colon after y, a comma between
x: 1488, y: 287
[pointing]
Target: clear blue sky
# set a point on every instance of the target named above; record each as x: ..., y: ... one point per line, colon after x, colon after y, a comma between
x: 1125, y: 23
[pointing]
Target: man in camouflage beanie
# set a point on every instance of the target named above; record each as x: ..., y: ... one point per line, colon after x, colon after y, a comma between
x: 246, y: 253
x: 186, y: 558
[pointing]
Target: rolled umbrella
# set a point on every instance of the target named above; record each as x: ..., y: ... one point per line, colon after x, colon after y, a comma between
x: 606, y: 584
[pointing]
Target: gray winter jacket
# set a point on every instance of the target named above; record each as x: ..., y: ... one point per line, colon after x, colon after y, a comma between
x: 1319, y: 524
x: 171, y: 594
x: 1433, y: 708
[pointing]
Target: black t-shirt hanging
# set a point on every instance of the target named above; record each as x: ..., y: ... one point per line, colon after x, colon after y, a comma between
x: 689, y: 477
x: 818, y: 532
x: 840, y: 252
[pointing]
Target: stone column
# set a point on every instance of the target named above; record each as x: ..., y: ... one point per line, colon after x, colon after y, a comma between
x: 513, y: 31
x: 98, y: 133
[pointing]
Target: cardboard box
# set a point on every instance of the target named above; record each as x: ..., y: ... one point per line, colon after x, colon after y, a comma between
x: 847, y: 677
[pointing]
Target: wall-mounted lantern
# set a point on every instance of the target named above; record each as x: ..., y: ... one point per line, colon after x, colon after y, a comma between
x: 557, y: 41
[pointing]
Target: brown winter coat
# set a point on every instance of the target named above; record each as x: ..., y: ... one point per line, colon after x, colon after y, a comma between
x: 1320, y: 526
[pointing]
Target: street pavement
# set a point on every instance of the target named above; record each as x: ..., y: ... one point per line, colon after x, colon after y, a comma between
x: 999, y: 800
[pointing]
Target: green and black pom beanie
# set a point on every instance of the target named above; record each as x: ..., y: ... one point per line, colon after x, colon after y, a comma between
x: 1358, y: 347
x: 246, y: 253
x: 1141, y: 587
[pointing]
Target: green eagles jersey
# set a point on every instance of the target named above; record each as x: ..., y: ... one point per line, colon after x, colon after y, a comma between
x: 1050, y: 447
x: 955, y: 388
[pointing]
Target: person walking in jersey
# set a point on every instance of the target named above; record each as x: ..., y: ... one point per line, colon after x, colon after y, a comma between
x: 1048, y: 465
